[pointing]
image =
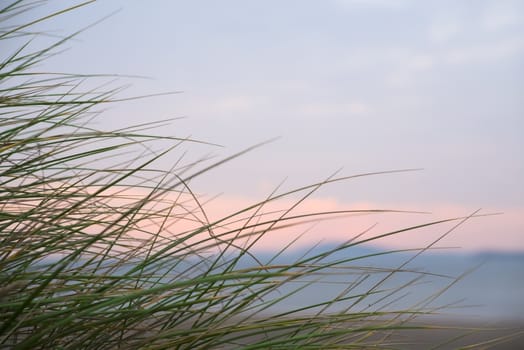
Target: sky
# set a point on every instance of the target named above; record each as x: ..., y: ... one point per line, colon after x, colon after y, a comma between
x: 347, y: 85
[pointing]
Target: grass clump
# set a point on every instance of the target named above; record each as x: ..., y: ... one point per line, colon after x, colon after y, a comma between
x: 100, y: 249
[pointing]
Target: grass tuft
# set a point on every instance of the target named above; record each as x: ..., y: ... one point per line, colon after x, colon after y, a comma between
x: 100, y: 249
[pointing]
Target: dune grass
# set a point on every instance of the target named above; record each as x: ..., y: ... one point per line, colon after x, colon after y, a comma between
x: 102, y: 249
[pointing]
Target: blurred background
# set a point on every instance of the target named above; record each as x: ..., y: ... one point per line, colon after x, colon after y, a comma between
x: 348, y: 85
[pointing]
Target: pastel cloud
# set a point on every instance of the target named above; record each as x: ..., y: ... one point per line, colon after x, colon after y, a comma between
x: 326, y: 110
x: 226, y: 106
x: 341, y: 222
x: 499, y: 15
x: 484, y: 53
x: 504, y: 232
x: 407, y: 65
x: 387, y: 4
x: 443, y: 30
x: 234, y: 104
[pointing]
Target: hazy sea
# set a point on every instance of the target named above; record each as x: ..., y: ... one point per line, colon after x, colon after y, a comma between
x: 493, y: 290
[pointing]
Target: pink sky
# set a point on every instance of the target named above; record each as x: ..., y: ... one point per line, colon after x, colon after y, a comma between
x: 500, y: 232
x: 359, y: 85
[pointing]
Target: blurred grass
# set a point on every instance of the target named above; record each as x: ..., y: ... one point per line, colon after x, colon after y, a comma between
x: 100, y: 249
